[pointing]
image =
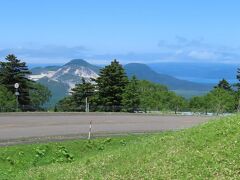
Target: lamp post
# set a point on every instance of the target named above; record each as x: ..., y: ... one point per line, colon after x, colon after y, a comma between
x: 16, y: 85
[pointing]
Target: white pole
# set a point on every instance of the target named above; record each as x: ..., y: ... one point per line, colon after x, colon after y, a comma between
x: 17, y: 102
x: 86, y: 105
x: 90, y: 129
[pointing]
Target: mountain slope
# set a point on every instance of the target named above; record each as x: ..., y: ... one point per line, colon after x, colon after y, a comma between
x: 39, y: 70
x: 61, y: 79
x: 144, y: 72
x: 72, y: 71
x: 58, y: 90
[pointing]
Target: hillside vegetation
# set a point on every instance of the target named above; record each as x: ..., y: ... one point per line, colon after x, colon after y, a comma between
x: 208, y: 151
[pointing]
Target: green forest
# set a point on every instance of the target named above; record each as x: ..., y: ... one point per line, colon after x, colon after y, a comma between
x: 30, y: 96
x: 112, y: 91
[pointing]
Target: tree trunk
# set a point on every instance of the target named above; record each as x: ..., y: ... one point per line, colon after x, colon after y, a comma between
x: 176, y: 110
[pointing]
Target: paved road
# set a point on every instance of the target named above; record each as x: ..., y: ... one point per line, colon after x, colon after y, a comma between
x: 30, y: 125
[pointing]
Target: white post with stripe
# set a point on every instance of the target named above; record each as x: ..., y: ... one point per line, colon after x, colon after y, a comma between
x: 90, y: 130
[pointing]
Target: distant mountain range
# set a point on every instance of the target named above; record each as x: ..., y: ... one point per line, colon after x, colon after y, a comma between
x: 61, y: 79
x: 144, y: 72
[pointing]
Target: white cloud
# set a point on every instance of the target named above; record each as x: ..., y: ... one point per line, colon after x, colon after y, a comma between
x: 183, y: 49
x: 47, y: 51
x: 179, y: 50
x: 204, y: 55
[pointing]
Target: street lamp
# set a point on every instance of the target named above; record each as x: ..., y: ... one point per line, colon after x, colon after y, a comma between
x: 16, y: 86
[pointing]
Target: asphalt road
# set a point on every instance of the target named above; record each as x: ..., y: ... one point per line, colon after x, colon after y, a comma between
x: 40, y: 125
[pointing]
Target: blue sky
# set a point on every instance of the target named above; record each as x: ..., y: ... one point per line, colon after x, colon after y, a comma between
x: 55, y: 31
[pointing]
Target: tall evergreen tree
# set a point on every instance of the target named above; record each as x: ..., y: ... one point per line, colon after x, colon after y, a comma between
x: 224, y: 84
x: 111, y: 84
x: 238, y: 74
x: 131, y: 99
x: 14, y: 71
x: 81, y: 92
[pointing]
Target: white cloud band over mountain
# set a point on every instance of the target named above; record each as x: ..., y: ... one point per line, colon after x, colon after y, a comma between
x: 180, y: 49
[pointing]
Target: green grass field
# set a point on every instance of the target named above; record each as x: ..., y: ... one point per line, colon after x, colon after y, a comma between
x: 208, y: 151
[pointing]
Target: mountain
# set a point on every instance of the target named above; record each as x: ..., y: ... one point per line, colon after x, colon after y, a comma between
x: 61, y: 79
x: 83, y: 63
x: 144, y: 72
x: 70, y: 73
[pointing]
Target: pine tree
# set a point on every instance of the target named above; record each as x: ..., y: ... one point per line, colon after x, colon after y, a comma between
x: 14, y: 71
x: 224, y: 84
x: 131, y: 99
x: 111, y: 84
x: 81, y: 92
x: 238, y: 74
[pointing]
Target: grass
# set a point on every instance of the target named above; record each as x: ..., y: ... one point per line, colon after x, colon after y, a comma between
x: 208, y: 151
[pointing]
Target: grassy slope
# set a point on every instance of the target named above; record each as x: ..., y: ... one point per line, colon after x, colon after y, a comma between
x: 208, y: 151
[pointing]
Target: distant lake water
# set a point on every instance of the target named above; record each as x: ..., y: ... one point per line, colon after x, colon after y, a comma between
x: 205, y: 80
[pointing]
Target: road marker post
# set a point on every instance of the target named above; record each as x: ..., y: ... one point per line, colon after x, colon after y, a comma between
x: 90, y: 130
